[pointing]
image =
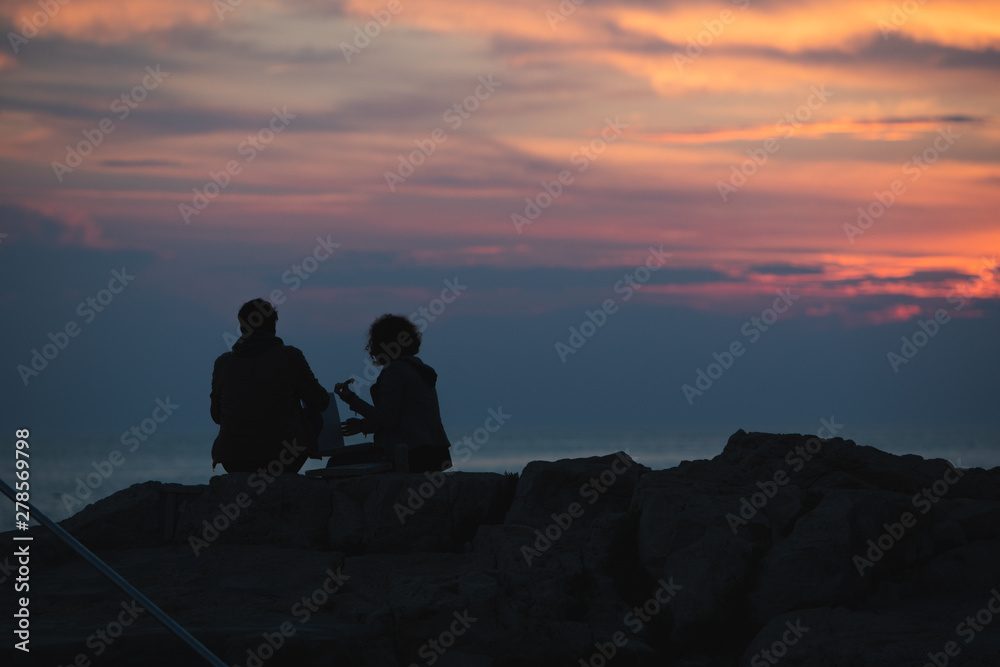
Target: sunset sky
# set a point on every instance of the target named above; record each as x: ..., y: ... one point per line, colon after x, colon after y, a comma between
x: 518, y: 160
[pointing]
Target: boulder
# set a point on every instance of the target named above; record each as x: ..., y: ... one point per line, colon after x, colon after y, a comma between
x: 781, y: 548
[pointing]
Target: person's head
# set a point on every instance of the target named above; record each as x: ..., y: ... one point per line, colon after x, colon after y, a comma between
x: 257, y: 315
x: 392, y: 336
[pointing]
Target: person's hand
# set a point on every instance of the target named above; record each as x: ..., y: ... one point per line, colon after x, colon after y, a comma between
x: 343, y: 392
x: 350, y: 426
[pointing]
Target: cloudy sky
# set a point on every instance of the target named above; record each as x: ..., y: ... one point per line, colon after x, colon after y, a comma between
x: 725, y: 214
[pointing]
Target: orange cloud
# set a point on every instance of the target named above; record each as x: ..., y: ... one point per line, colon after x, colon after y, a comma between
x: 107, y: 21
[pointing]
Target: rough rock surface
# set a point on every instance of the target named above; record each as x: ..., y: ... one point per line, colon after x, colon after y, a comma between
x: 782, y: 549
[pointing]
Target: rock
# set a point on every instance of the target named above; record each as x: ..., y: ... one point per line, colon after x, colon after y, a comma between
x: 398, y: 513
x: 861, y: 557
x: 246, y: 508
x: 713, y: 571
x: 852, y: 638
x: 141, y: 515
x: 391, y: 513
x: 593, y: 485
x: 813, y: 565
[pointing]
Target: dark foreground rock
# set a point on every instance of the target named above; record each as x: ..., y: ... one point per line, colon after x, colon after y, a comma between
x: 781, y: 550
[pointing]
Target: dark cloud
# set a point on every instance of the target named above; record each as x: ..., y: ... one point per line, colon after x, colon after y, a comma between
x: 786, y: 269
x: 917, y: 277
x: 901, y: 49
x: 898, y: 51
x: 541, y: 279
x: 936, y: 276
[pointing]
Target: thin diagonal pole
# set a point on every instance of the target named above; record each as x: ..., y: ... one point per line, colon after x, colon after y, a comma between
x: 116, y: 579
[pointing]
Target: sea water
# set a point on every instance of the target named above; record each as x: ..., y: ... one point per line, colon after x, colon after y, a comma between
x: 69, y: 472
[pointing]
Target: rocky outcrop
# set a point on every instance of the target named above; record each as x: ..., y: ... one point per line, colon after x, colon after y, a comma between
x: 782, y: 549
x: 780, y: 528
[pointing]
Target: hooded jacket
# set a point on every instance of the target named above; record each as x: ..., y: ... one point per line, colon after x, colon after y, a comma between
x: 256, y: 394
x: 405, y: 409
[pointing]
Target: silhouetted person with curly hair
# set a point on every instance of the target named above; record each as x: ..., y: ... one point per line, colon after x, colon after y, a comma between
x: 404, y: 408
x: 257, y: 395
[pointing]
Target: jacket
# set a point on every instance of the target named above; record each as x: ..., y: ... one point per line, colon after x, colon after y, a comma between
x: 405, y: 409
x: 257, y: 391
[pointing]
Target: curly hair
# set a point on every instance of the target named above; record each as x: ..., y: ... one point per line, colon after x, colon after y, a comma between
x: 391, y: 336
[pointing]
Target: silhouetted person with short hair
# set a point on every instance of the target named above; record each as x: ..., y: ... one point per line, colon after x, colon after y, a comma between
x: 257, y: 390
x: 405, y: 403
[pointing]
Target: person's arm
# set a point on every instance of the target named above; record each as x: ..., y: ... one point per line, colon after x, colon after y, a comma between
x: 385, y: 416
x: 353, y: 426
x: 307, y: 387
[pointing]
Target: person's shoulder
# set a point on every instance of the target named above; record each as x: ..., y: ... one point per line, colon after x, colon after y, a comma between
x: 224, y: 357
x: 412, y: 367
x: 416, y: 362
x: 289, y: 352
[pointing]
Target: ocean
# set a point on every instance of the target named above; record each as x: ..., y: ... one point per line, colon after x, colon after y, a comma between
x: 70, y: 472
